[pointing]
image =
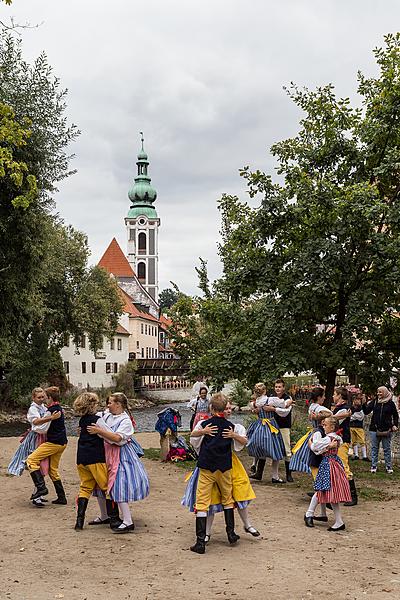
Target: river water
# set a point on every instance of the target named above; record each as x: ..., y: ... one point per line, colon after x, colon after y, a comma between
x: 145, y: 420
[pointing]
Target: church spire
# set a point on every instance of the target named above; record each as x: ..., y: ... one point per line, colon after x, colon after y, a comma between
x: 142, y: 194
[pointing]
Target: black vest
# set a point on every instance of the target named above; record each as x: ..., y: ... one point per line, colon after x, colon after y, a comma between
x: 90, y: 447
x: 316, y: 459
x: 216, y: 451
x: 56, y: 433
x: 283, y: 422
x: 345, y: 425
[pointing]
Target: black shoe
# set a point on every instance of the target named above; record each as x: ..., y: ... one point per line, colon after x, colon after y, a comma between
x: 309, y: 521
x: 124, y: 528
x: 61, y: 498
x: 80, y: 517
x: 366, y: 459
x: 355, y: 458
x: 341, y: 528
x: 98, y: 521
x: 255, y: 476
x: 354, y: 496
x: 113, y: 513
x: 37, y: 503
x: 200, y: 545
x: 324, y: 519
x: 254, y: 533
x: 329, y: 506
x: 252, y: 469
x: 289, y: 477
x: 279, y: 480
x: 310, y: 494
x: 233, y: 537
x: 38, y: 480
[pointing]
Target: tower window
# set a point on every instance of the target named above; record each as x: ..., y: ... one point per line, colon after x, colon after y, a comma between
x: 141, y: 270
x: 142, y: 243
x: 131, y: 234
x: 142, y: 221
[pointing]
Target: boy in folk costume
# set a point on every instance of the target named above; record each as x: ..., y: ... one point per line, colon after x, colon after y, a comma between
x: 215, y: 464
x: 357, y: 427
x: 51, y: 449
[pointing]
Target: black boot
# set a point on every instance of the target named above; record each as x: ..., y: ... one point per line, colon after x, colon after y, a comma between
x: 38, y: 480
x: 61, y: 498
x: 113, y: 514
x: 200, y: 545
x: 80, y: 517
x: 289, y: 477
x: 259, y: 470
x: 230, y: 526
x: 354, y: 496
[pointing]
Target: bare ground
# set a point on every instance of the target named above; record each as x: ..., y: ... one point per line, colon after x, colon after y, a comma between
x: 42, y: 557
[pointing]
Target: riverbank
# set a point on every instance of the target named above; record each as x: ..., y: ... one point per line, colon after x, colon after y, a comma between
x: 43, y: 558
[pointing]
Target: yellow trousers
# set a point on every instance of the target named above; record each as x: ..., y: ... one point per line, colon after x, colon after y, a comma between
x: 285, y: 433
x: 357, y: 436
x: 205, y: 485
x: 314, y: 471
x: 47, y: 450
x: 343, y: 454
x: 90, y: 476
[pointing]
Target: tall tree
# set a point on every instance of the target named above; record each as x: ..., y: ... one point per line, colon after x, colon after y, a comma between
x: 167, y: 298
x: 314, y: 270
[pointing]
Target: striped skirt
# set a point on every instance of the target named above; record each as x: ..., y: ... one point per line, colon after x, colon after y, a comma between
x: 136, y: 446
x: 331, y: 483
x: 131, y: 482
x: 27, y: 446
x: 242, y: 491
x: 262, y: 442
x: 301, y: 455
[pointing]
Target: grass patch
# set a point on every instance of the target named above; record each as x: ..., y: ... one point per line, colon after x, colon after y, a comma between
x: 154, y: 454
x: 373, y: 494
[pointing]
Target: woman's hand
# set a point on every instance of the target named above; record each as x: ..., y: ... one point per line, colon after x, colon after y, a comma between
x: 93, y: 429
x: 333, y: 444
x: 269, y: 408
x: 394, y: 428
x: 210, y: 430
x: 55, y: 415
x: 228, y: 433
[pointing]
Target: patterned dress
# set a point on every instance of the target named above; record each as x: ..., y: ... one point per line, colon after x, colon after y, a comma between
x: 28, y: 444
x: 331, y: 483
x: 264, y: 438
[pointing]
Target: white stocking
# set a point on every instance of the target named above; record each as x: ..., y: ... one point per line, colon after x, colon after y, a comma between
x: 103, y: 508
x: 210, y: 521
x: 323, y: 510
x: 125, y: 512
x: 338, y: 517
x: 274, y: 469
x: 313, y: 505
x: 355, y: 450
x: 363, y: 452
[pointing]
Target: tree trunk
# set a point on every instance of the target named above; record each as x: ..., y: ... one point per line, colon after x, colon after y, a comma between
x: 330, y: 386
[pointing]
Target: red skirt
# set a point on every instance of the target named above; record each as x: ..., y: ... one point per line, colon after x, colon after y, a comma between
x: 339, y: 490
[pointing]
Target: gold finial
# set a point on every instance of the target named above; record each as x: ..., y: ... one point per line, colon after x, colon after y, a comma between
x: 142, y: 138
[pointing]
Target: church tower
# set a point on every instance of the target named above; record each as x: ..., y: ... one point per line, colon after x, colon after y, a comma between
x: 142, y: 225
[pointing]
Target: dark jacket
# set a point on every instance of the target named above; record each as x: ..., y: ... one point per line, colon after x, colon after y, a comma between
x: 56, y: 433
x: 315, y: 460
x: 283, y: 422
x: 215, y: 451
x: 384, y: 415
x: 344, y: 425
x: 90, y: 447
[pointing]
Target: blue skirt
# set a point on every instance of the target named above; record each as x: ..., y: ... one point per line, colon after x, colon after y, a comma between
x: 262, y: 443
x: 300, y: 459
x: 26, y: 447
x: 189, y: 498
x: 132, y: 482
x: 136, y: 446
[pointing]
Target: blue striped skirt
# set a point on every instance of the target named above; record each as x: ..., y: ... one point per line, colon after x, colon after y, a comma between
x: 132, y: 482
x: 136, y: 446
x: 189, y: 498
x: 262, y: 443
x: 300, y: 459
x: 26, y: 447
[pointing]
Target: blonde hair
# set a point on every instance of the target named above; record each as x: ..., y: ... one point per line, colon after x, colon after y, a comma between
x: 86, y: 403
x: 260, y: 389
x: 121, y: 398
x: 37, y: 391
x: 332, y: 421
x: 53, y: 392
x: 219, y: 402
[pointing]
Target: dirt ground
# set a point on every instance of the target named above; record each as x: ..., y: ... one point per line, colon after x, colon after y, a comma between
x: 42, y: 557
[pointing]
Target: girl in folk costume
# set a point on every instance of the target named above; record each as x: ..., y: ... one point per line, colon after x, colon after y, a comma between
x: 242, y: 491
x: 331, y: 484
x: 264, y: 438
x: 127, y: 477
x: 91, y: 459
x: 34, y: 437
x: 316, y: 412
x: 201, y: 408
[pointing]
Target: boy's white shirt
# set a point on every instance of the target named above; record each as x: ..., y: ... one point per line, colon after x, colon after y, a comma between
x: 357, y: 416
x: 237, y: 446
x: 34, y: 413
x: 318, y: 408
x: 320, y: 444
x: 280, y: 404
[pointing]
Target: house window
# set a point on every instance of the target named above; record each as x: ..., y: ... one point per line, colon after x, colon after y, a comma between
x: 142, y: 243
x: 131, y: 234
x: 119, y: 343
x: 82, y: 342
x: 141, y: 271
x: 83, y: 367
x: 145, y: 329
x: 137, y: 344
x: 108, y: 367
x: 147, y: 352
x: 141, y: 328
x: 66, y: 367
x: 112, y: 344
x: 142, y: 352
x: 115, y: 367
x: 93, y: 367
x: 161, y: 337
x: 66, y: 340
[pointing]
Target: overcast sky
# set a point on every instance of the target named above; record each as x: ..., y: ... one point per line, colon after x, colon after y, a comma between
x: 203, y: 79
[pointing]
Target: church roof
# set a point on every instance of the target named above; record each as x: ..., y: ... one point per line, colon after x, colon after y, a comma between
x: 115, y: 262
x: 121, y: 330
x: 132, y: 309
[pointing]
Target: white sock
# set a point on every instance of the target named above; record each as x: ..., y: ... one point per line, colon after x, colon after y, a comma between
x: 210, y: 521
x: 323, y: 510
x: 364, y: 452
x: 244, y: 515
x: 201, y: 513
x: 125, y: 512
x: 355, y: 450
x: 274, y: 469
x: 103, y: 508
x: 313, y: 505
x: 338, y: 517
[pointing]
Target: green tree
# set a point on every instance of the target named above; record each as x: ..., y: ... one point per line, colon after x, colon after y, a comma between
x: 311, y: 276
x: 240, y: 395
x: 167, y: 299
x: 124, y: 381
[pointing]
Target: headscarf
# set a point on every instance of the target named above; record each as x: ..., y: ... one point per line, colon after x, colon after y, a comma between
x: 386, y: 395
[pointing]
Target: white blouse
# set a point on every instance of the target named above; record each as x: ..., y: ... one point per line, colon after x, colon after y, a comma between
x: 237, y: 446
x: 320, y: 444
x: 38, y: 411
x: 120, y: 424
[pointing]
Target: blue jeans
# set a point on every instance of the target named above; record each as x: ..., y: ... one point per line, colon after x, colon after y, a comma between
x: 387, y: 449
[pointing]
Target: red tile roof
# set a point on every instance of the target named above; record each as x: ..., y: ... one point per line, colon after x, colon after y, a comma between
x: 122, y: 331
x: 165, y: 322
x: 114, y: 261
x: 132, y: 309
